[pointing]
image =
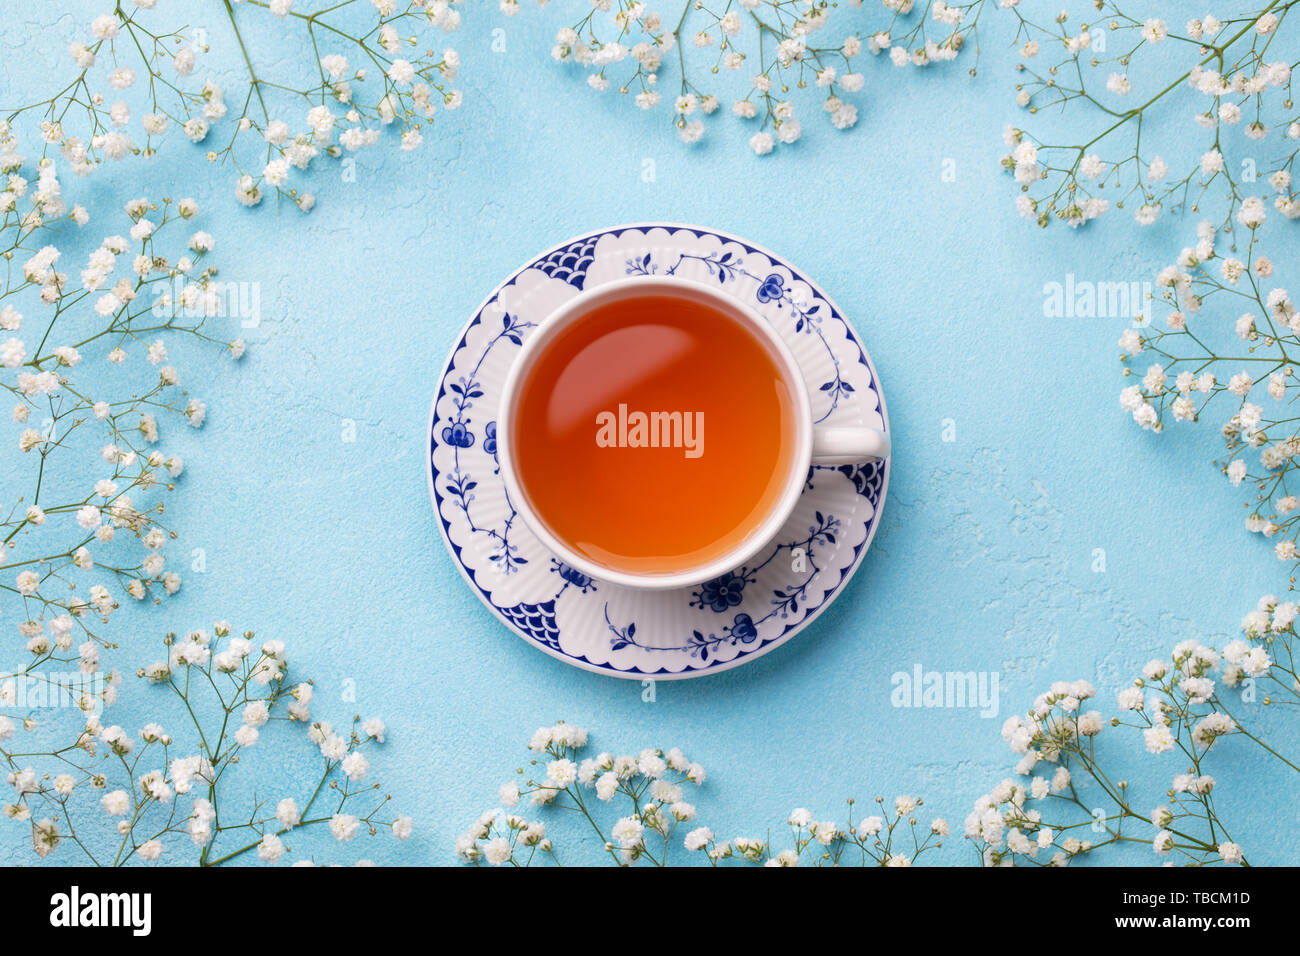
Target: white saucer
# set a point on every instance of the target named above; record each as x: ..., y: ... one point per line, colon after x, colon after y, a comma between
x: 667, y: 634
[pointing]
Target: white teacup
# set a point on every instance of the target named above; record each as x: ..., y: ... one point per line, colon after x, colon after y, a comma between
x: 812, y: 444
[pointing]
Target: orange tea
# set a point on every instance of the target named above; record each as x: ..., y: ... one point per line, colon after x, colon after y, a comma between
x: 654, y: 434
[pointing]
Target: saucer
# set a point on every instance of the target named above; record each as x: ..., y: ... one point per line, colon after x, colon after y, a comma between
x: 672, y: 634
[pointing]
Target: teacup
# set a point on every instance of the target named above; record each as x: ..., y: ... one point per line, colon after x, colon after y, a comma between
x: 656, y: 479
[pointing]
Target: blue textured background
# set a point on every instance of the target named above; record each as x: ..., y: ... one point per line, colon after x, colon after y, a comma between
x: 983, y: 558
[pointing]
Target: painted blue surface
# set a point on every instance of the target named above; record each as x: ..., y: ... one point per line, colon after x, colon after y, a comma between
x: 983, y: 560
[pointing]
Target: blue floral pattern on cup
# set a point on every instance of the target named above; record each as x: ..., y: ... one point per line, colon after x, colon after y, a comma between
x: 772, y: 289
x: 722, y: 592
x: 458, y: 434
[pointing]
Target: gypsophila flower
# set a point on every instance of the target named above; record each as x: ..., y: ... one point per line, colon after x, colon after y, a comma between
x: 1238, y: 81
x: 648, y: 788
x: 622, y: 46
x: 170, y: 802
x: 92, y: 122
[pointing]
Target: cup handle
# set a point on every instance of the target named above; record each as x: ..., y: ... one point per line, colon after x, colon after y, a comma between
x: 848, y: 446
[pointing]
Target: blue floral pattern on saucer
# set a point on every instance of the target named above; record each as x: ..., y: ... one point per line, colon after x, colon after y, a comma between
x: 666, y: 634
